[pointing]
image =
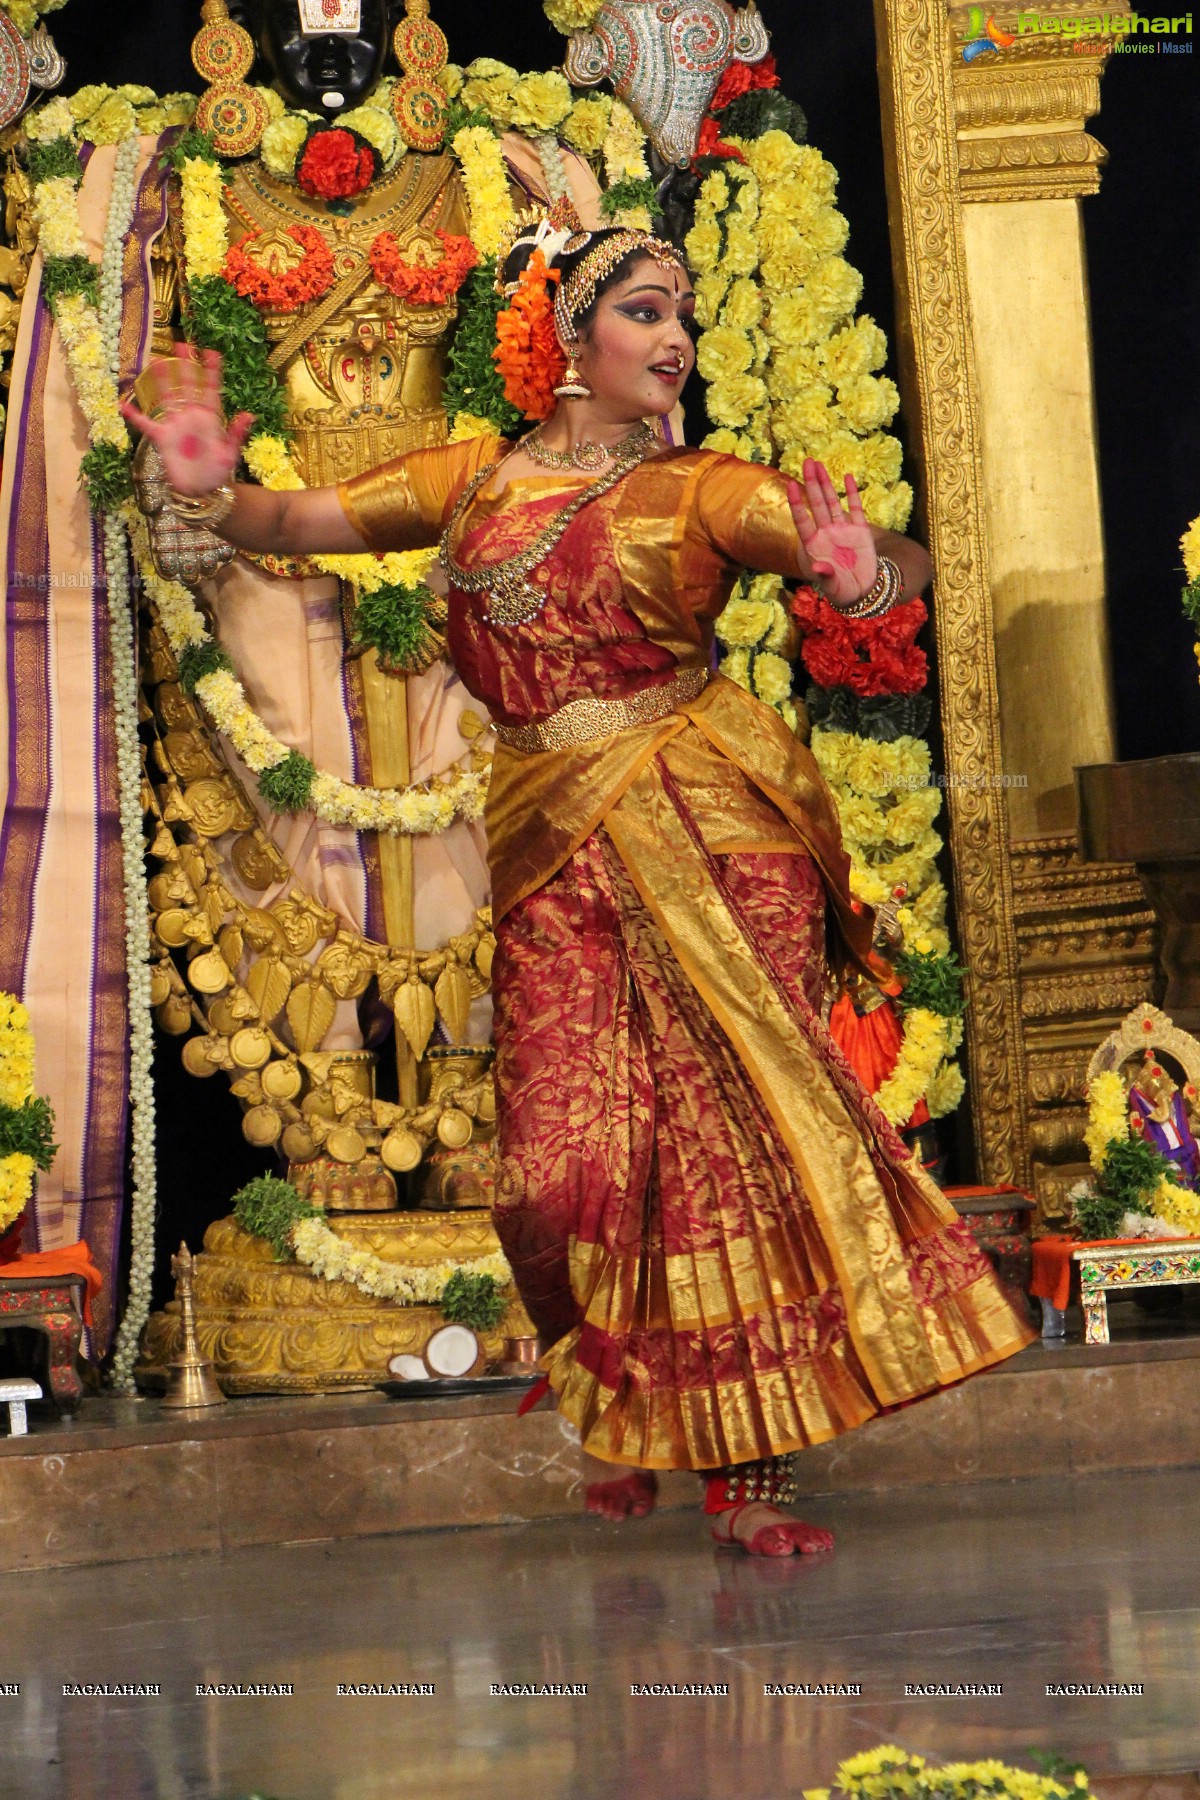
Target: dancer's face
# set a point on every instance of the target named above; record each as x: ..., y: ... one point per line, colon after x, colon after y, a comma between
x: 637, y: 351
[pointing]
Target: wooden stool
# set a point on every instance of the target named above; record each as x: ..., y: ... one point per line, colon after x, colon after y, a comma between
x: 14, y: 1394
x: 53, y: 1305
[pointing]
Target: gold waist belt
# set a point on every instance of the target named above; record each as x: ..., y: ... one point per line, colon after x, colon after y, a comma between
x: 582, y: 720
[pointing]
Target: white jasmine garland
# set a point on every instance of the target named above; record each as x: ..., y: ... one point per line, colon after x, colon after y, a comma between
x: 408, y: 1284
x: 129, y: 778
x: 554, y: 170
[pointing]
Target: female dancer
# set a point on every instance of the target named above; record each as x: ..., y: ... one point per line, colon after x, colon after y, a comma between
x: 726, y: 1245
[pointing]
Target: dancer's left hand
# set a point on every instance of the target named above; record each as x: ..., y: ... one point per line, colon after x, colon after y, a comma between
x: 838, y: 541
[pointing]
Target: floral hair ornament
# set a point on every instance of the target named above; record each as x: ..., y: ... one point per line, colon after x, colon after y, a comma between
x: 528, y: 354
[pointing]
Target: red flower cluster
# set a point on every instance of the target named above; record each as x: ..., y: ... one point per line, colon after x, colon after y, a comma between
x: 311, y: 277
x: 710, y: 142
x: 868, y: 656
x: 742, y: 78
x: 527, y: 353
x: 425, y: 284
x: 336, y: 165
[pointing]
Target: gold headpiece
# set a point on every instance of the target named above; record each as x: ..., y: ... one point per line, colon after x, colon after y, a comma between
x: 578, y: 291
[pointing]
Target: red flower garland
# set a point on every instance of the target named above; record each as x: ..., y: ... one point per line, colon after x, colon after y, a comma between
x: 527, y: 353
x: 308, y: 280
x: 868, y: 656
x: 739, y: 78
x: 426, y: 284
x: 336, y: 165
x: 711, y: 143
x: 742, y: 78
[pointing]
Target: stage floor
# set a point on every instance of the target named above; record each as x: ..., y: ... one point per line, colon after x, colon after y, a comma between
x: 1018, y: 1583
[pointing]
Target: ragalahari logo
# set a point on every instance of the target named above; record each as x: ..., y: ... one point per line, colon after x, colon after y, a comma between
x: 984, y: 35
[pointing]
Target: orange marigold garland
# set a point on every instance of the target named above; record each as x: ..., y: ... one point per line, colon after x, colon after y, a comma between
x: 528, y: 354
x: 426, y: 284
x: 282, y: 291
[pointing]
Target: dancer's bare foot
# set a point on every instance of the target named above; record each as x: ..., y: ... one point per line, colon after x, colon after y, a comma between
x: 632, y: 1497
x: 766, y: 1530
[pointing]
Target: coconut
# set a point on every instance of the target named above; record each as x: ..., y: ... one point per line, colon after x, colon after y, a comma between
x: 454, y: 1351
x: 408, y: 1368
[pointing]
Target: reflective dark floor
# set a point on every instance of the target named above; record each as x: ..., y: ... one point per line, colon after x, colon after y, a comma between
x: 1021, y: 1584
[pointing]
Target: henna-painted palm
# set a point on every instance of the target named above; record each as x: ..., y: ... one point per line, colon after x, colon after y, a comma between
x: 199, y: 451
x: 838, y: 541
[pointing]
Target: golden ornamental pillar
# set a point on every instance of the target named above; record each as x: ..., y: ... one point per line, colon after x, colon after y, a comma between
x: 988, y: 163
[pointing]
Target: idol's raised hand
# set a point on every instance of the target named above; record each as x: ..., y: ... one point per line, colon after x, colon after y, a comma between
x: 199, y: 451
x: 838, y: 541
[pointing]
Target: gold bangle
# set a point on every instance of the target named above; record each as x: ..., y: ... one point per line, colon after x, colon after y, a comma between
x: 211, y: 509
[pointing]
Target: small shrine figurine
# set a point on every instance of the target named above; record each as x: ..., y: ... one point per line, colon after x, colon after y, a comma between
x: 1163, y: 1117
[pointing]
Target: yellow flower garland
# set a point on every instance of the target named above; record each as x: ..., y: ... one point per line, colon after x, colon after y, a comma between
x: 790, y: 368
x: 16, y: 1086
x: 485, y: 178
x: 887, y: 808
x: 1108, y: 1122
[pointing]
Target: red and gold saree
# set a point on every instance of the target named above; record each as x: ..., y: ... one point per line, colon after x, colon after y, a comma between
x: 729, y: 1248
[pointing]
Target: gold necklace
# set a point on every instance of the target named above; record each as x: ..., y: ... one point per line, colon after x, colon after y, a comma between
x: 508, y: 596
x: 589, y: 456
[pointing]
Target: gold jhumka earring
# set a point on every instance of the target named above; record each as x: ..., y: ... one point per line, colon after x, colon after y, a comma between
x: 572, y: 386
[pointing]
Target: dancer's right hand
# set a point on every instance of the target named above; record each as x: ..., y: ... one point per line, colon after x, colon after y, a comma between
x: 199, y: 451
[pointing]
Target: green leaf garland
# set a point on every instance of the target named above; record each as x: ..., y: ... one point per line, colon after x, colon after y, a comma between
x: 287, y: 786
x: 395, y: 622
x: 269, y: 1207
x: 473, y: 383
x: 473, y: 1300
x: 106, y: 472
x: 217, y: 317
x: 198, y: 660
x: 931, y: 981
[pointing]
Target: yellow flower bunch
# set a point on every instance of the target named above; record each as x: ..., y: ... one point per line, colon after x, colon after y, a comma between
x: 204, y: 230
x: 889, y: 1773
x: 624, y: 147
x: 16, y: 1086
x: 766, y: 248
x: 281, y: 142
x: 923, y: 1051
x: 565, y: 15
x: 586, y: 125
x: 104, y: 115
x: 887, y: 807
x: 56, y: 215
x: 469, y: 425
x: 79, y: 330
x: 1189, y: 545
x: 16, y: 1052
x: 485, y: 177
x: 1108, y: 1115
x: 540, y: 102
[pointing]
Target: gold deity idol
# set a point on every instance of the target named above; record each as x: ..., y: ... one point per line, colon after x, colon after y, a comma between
x: 287, y: 938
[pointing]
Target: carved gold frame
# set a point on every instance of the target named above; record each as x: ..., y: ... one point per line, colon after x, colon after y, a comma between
x: 941, y: 397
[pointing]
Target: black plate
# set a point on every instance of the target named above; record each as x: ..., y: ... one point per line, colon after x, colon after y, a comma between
x: 445, y: 1387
